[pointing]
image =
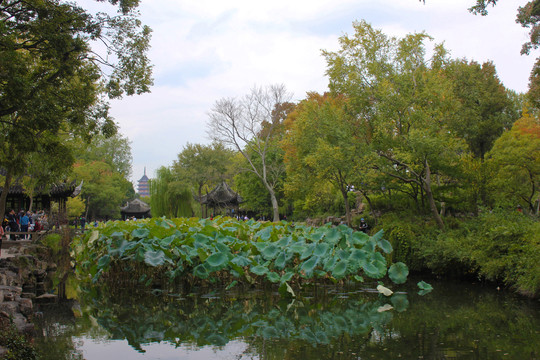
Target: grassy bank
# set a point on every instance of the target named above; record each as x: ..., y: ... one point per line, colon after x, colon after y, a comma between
x: 498, y: 245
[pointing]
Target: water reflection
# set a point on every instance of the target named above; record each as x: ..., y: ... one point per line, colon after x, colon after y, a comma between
x: 455, y: 322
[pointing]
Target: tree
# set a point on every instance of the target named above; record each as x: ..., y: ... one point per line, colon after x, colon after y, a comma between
x: 404, y: 101
x: 516, y: 159
x: 52, y: 81
x: 240, y: 123
x: 104, y: 189
x: 169, y: 196
x: 325, y: 143
x: 203, y: 166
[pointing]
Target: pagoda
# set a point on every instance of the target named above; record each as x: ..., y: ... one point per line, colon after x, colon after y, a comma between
x: 143, y: 187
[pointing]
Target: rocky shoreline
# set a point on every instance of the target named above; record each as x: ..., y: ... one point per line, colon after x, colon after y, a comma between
x: 24, y: 286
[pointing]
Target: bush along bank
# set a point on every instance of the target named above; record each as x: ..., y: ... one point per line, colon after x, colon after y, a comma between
x: 500, y: 245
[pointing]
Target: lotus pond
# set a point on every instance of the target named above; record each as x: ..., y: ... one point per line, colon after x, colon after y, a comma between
x: 223, y: 289
x: 454, y: 321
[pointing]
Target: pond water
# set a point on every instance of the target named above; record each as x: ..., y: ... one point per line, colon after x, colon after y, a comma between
x: 454, y: 321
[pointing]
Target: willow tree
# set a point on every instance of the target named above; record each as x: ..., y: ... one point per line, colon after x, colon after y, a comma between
x: 169, y: 196
x: 249, y: 126
x: 53, y: 81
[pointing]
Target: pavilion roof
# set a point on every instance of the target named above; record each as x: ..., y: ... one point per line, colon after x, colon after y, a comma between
x: 222, y: 195
x: 135, y: 206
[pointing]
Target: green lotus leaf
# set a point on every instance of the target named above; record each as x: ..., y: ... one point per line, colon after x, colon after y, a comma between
x: 359, y: 256
x: 281, y: 261
x: 270, y: 251
x: 424, y: 287
x: 270, y: 332
x: 310, y: 265
x: 332, y: 236
x: 284, y: 241
x: 259, y: 270
x: 286, y: 277
x: 217, y: 339
x: 298, y: 247
x: 217, y: 260
x: 359, y: 238
x: 222, y: 247
x: 201, y: 240
x: 103, y: 261
x: 378, y: 236
x: 329, y: 263
x: 398, y: 273
x: 371, y: 269
x: 369, y: 246
x: 264, y: 234
x: 385, y: 246
x: 117, y: 236
x: 343, y: 254
x: 122, y: 247
x: 154, y: 258
x: 340, y: 269
x: 400, y: 302
x: 273, y: 277
x: 201, y: 271
x: 166, y: 242
x: 241, y: 261
x: 321, y: 249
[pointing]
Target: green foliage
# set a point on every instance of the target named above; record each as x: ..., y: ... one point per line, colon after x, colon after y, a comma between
x: 169, y: 196
x: 17, y: 346
x: 227, y: 250
x: 500, y: 245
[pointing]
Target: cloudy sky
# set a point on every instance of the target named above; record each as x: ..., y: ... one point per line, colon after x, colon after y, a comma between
x: 205, y: 50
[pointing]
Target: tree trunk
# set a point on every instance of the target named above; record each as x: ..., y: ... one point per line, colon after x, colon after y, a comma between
x: 427, y: 187
x: 347, y: 206
x: 3, y: 196
x: 275, y: 206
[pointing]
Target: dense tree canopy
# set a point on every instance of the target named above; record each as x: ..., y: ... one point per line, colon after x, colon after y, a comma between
x: 53, y: 81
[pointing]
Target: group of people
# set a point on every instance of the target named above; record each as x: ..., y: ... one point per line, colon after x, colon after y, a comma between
x: 24, y: 221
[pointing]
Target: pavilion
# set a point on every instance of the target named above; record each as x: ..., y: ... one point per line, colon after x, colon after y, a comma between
x: 135, y: 208
x: 221, y: 197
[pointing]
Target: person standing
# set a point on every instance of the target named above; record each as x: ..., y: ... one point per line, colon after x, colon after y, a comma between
x: 82, y: 221
x: 363, y: 225
x: 24, y: 221
x: 12, y: 223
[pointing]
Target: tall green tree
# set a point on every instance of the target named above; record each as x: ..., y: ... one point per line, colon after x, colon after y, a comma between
x: 325, y: 143
x: 515, y: 158
x: 53, y: 81
x: 405, y: 102
x: 203, y: 166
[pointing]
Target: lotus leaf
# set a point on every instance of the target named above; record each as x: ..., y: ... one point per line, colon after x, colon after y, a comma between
x: 359, y: 238
x: 200, y: 271
x: 424, y: 287
x: 273, y: 277
x: 264, y: 234
x: 400, y: 302
x: 298, y: 247
x: 281, y: 261
x: 333, y: 235
x: 259, y: 270
x: 217, y: 260
x: 154, y: 258
x: 340, y: 269
x: 286, y: 277
x: 398, y: 273
x: 384, y: 290
x: 241, y: 261
x: 321, y: 249
x: 329, y: 263
x: 270, y: 251
x: 140, y: 233
x: 310, y: 265
x: 103, y: 261
x: 117, y: 236
x: 385, y: 246
x: 284, y: 241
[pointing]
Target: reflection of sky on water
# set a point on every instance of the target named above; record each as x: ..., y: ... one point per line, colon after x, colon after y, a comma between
x: 120, y: 349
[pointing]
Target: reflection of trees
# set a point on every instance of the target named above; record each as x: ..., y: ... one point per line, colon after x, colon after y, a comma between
x: 141, y: 319
x: 454, y: 322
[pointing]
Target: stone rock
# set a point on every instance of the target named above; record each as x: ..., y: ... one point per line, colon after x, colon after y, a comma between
x: 10, y: 307
x: 46, y: 299
x: 26, y: 306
